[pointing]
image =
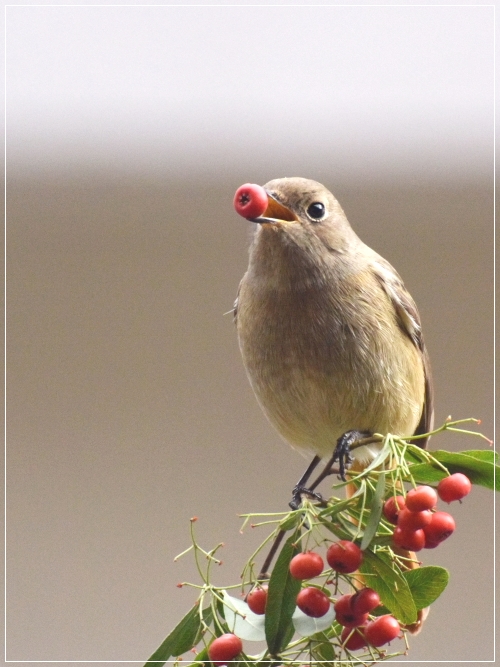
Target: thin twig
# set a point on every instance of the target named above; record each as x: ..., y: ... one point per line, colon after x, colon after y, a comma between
x: 263, y: 574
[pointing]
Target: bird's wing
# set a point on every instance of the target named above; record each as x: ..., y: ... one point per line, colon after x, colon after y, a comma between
x: 409, y: 321
x: 235, y: 305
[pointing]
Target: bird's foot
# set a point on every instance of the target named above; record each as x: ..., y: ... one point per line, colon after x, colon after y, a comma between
x: 342, y: 452
x: 297, y: 496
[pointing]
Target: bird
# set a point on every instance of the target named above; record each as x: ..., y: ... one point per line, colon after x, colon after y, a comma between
x: 331, y: 339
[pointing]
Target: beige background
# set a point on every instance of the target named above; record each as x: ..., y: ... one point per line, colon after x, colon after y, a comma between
x: 128, y: 410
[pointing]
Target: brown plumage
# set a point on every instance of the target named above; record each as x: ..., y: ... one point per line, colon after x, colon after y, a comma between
x: 330, y: 338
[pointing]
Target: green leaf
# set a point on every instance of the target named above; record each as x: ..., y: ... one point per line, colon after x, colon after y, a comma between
x: 375, y: 513
x: 390, y: 584
x: 221, y: 627
x: 380, y: 457
x: 480, y: 469
x: 424, y: 473
x: 283, y: 590
x: 208, y: 617
x: 482, y: 454
x: 180, y: 640
x: 380, y: 611
x: 322, y: 649
x: 339, y: 528
x: 338, y: 506
x: 414, y: 454
x: 290, y: 521
x: 201, y: 658
x: 426, y: 584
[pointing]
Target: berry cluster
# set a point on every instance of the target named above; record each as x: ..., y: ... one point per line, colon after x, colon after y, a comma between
x: 351, y: 611
x: 343, y: 556
x: 418, y: 524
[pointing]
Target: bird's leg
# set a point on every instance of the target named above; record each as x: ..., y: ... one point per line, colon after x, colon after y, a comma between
x: 342, y: 451
x: 342, y: 454
x: 301, y: 487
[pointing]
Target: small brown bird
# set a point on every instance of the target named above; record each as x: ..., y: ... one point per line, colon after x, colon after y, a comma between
x: 330, y: 338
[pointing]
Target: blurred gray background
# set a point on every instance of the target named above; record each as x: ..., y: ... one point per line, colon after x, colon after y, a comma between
x: 128, y: 410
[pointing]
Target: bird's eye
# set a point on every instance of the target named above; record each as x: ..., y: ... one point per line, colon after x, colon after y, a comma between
x: 316, y: 211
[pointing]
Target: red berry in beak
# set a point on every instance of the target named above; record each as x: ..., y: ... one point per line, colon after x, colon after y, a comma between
x: 250, y: 200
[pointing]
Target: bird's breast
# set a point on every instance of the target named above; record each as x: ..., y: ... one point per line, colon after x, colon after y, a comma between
x: 322, y: 361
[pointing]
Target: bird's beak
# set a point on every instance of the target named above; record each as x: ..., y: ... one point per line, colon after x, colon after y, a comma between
x: 275, y: 212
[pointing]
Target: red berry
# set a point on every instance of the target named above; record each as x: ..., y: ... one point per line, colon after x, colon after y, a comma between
x: 313, y: 602
x: 365, y: 600
x: 430, y: 544
x: 411, y: 540
x: 343, y: 604
x: 382, y: 630
x: 353, y: 638
x: 454, y: 487
x: 224, y: 648
x: 346, y: 615
x: 250, y: 200
x: 440, y: 528
x: 257, y: 599
x: 344, y: 556
x: 392, y: 507
x: 420, y: 499
x: 408, y: 520
x: 306, y: 566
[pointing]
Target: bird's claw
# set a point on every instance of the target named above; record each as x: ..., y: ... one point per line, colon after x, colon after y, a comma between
x: 342, y: 452
x: 297, y: 496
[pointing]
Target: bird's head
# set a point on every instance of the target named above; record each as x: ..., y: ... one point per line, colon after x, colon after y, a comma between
x: 304, y: 213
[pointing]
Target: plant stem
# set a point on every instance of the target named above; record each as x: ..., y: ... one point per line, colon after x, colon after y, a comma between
x: 263, y: 574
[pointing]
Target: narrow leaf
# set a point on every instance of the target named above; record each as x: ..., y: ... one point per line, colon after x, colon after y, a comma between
x: 350, y: 530
x: 389, y: 583
x: 201, y: 659
x: 283, y: 590
x: 180, y: 640
x: 338, y: 529
x: 338, y: 506
x: 375, y: 513
x: 380, y: 457
x: 414, y: 454
x: 219, y: 606
x: 426, y: 584
x: 208, y: 617
x: 290, y: 521
x: 322, y: 649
